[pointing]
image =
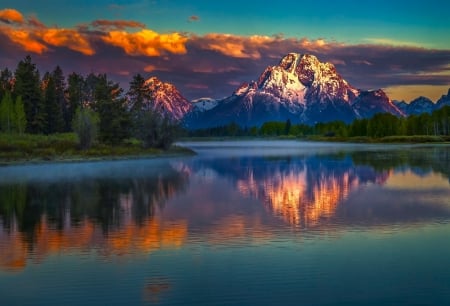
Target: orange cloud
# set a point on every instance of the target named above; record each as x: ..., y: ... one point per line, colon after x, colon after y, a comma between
x: 24, y: 39
x: 11, y: 16
x: 147, y: 42
x: 234, y: 45
x: 68, y: 38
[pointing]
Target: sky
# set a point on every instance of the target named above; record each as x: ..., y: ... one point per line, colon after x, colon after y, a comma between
x: 208, y: 48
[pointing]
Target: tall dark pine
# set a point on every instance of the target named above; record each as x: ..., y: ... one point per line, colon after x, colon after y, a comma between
x: 75, y: 98
x: 61, y: 102
x: 110, y: 106
x: 27, y: 85
x: 137, y: 93
x: 54, y: 120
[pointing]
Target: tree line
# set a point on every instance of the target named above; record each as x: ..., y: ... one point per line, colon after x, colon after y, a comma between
x: 93, y: 106
x: 380, y: 125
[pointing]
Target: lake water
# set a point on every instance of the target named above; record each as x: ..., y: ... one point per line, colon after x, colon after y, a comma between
x: 241, y: 223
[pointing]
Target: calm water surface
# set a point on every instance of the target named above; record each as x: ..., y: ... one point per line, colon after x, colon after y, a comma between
x: 242, y: 223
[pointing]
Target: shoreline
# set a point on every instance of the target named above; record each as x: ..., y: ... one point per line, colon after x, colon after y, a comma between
x: 175, y: 151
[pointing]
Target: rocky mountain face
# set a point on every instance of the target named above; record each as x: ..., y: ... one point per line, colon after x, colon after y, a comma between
x: 165, y: 98
x: 422, y: 105
x: 299, y: 88
x: 416, y: 106
x: 444, y: 100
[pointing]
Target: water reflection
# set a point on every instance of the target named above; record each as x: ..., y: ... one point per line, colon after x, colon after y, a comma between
x: 133, y: 208
x: 112, y: 215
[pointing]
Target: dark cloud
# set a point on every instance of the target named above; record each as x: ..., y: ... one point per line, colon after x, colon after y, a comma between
x: 210, y: 64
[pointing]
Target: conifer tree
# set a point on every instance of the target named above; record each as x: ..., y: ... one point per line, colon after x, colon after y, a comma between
x: 54, y: 119
x: 27, y: 85
x: 7, y: 113
x: 19, y: 111
x: 75, y: 98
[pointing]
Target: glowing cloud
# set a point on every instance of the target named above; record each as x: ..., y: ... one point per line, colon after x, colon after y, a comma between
x: 11, y: 16
x: 70, y: 39
x: 146, y: 42
x: 23, y: 38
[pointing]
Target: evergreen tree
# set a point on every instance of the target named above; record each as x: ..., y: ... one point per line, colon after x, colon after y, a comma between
x: 110, y: 106
x: 74, y: 101
x: 19, y: 111
x: 27, y: 85
x: 53, y: 111
x: 61, y: 102
x: 137, y: 93
x: 7, y: 117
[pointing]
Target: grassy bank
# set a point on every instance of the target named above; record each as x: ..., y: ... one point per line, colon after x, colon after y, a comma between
x: 64, y: 147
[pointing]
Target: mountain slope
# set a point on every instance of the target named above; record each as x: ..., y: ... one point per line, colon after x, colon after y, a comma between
x: 299, y: 88
x: 165, y: 98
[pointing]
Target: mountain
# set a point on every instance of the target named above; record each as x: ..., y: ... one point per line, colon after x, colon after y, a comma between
x: 299, y: 88
x: 204, y: 104
x: 444, y: 100
x: 166, y: 99
x: 417, y: 106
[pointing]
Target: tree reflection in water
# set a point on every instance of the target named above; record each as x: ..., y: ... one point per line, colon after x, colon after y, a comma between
x: 115, y: 215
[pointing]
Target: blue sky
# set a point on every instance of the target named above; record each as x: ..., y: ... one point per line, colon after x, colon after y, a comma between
x: 395, y: 45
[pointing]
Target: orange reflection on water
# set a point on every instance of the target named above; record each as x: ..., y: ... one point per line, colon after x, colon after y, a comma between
x: 295, y: 199
x: 16, y: 249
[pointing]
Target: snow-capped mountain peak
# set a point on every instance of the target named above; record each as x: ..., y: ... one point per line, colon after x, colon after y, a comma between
x: 165, y: 98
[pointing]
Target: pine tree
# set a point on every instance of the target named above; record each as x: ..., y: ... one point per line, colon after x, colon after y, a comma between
x: 110, y: 106
x: 27, y: 85
x: 61, y: 103
x: 74, y: 101
x: 7, y: 113
x: 19, y: 111
x: 137, y: 93
x: 54, y: 119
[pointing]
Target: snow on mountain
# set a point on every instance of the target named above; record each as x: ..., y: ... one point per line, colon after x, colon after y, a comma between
x: 165, y: 98
x: 204, y: 104
x: 299, y: 88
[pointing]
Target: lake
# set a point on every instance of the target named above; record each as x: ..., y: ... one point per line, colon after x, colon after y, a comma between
x: 240, y: 223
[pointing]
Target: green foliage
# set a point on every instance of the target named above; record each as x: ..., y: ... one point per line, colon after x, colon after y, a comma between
x: 110, y: 105
x: 21, y: 120
x: 7, y: 113
x: 74, y: 99
x: 155, y: 130
x: 27, y: 85
x: 53, y: 108
x: 85, y: 125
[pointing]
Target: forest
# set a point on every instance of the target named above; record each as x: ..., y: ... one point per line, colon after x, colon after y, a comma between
x: 94, y: 107
x: 98, y: 111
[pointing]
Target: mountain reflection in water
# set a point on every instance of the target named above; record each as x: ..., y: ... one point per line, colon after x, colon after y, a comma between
x: 137, y: 207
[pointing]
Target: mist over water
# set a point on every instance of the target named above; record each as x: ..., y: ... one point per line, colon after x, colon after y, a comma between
x: 243, y: 222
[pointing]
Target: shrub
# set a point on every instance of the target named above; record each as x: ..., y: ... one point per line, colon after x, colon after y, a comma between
x: 85, y: 125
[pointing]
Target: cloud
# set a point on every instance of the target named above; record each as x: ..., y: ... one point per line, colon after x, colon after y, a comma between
x: 392, y: 42
x: 68, y: 38
x: 11, y: 16
x: 24, y: 39
x: 216, y: 61
x: 106, y: 25
x: 194, y: 18
x: 146, y: 42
